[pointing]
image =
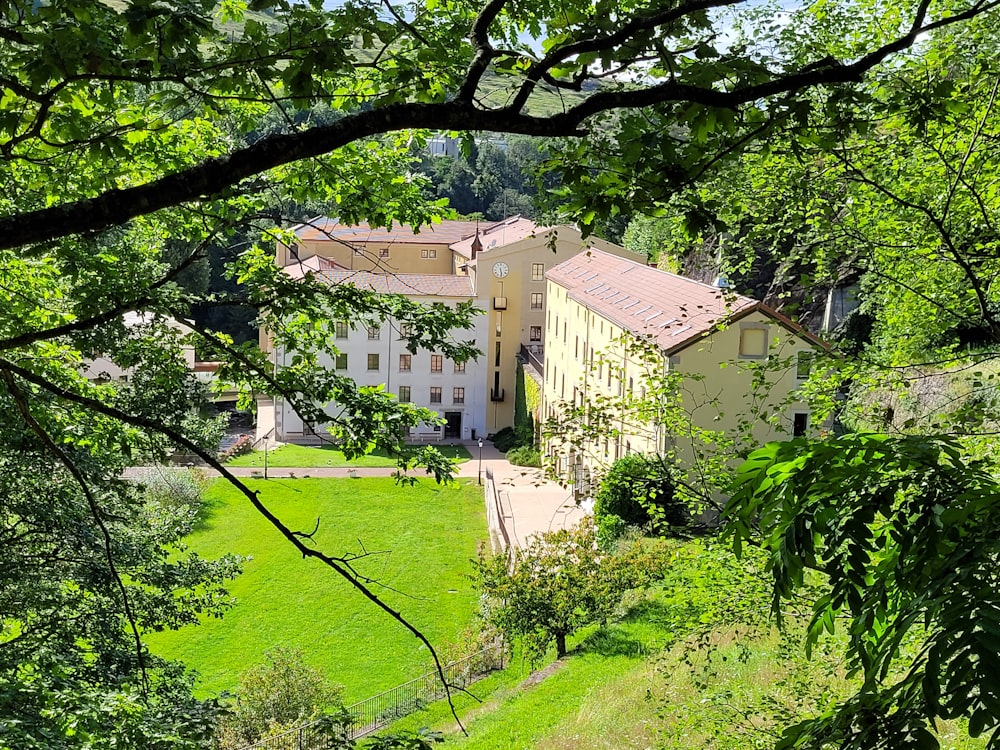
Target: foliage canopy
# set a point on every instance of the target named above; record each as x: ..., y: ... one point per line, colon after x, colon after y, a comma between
x: 135, y: 135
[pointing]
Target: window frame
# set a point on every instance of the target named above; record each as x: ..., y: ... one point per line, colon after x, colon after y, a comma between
x: 374, y: 358
x: 746, y: 328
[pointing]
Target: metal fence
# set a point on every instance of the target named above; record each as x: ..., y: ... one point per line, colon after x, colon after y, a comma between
x: 380, y: 710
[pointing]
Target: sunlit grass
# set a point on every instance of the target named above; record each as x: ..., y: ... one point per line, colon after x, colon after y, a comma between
x: 306, y: 456
x: 419, y: 542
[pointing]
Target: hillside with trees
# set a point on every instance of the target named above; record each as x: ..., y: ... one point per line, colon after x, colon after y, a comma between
x: 131, y: 144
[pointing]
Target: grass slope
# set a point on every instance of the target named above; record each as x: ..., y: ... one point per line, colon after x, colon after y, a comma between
x: 292, y: 456
x: 421, y: 540
x: 636, y: 684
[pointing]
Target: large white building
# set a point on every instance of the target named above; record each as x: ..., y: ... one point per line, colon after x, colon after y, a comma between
x: 499, y: 266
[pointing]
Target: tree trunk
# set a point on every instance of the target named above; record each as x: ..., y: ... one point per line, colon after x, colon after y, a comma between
x: 560, y: 645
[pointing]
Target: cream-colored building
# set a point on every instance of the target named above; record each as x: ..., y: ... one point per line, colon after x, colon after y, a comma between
x: 658, y: 363
x: 504, y: 265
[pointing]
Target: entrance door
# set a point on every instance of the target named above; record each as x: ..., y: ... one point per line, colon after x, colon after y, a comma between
x: 453, y: 424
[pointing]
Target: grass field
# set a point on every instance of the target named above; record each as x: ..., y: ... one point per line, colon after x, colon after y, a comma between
x: 307, y: 456
x: 420, y: 540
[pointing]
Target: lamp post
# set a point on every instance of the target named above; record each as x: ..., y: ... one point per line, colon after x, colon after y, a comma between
x: 480, y: 460
x: 265, y: 457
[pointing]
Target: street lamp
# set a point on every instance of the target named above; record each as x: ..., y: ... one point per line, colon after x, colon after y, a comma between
x: 480, y: 460
x: 265, y: 457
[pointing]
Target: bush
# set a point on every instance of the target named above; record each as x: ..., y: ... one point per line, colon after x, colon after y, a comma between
x: 276, y: 696
x: 525, y: 456
x: 509, y: 438
x: 638, y: 491
x: 610, y: 528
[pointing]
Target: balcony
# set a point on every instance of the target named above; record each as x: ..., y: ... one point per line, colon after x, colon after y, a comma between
x: 496, y: 394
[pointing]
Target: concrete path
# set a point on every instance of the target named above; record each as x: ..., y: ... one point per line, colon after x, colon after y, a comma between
x: 530, y: 503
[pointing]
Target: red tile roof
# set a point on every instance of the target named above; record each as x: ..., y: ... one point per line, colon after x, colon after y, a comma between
x: 670, y: 310
x: 498, y: 234
x: 299, y: 268
x: 444, y: 233
x: 411, y: 284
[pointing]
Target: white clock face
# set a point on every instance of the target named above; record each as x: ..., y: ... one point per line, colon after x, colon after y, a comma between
x: 500, y: 269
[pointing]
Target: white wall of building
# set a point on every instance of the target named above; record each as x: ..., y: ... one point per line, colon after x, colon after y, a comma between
x: 420, y: 379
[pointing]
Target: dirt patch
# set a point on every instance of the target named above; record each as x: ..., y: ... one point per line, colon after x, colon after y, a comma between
x: 493, y: 703
x: 537, y: 676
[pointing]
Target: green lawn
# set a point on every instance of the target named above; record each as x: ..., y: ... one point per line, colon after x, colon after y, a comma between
x: 420, y: 542
x: 307, y: 456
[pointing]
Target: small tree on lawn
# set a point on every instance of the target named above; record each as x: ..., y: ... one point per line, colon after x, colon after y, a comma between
x: 277, y: 695
x: 560, y: 582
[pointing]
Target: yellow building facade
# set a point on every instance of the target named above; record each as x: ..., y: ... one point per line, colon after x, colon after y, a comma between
x: 642, y: 361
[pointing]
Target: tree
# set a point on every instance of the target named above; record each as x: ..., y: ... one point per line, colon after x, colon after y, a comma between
x: 904, y: 532
x: 278, y: 695
x: 125, y: 125
x: 84, y: 571
x: 560, y: 582
x: 638, y: 490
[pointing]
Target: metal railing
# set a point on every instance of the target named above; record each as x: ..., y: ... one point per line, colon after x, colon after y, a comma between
x: 535, y: 357
x: 494, y: 515
x: 380, y: 710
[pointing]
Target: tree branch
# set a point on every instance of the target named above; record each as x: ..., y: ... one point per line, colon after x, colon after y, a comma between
x: 337, y: 564
x: 213, y: 177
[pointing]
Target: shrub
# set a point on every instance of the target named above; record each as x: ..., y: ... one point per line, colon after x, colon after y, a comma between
x: 639, y: 491
x: 524, y: 456
x: 510, y: 437
x: 276, y: 696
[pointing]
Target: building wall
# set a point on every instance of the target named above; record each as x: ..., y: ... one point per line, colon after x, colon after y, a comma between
x: 419, y: 379
x: 408, y: 257
x: 587, y: 359
x: 511, y: 328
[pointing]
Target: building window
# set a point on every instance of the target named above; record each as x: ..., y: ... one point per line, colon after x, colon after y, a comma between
x: 374, y: 333
x: 372, y: 361
x: 753, y: 341
x: 383, y: 253
x: 405, y: 330
x: 458, y: 395
x: 437, y: 362
x: 496, y: 358
x: 535, y: 333
x: 405, y: 360
x: 429, y: 254
x: 460, y: 367
x: 536, y: 300
x: 803, y: 365
x: 538, y: 272
x: 341, y: 329
x: 800, y: 423
x: 404, y: 394
x: 435, y: 394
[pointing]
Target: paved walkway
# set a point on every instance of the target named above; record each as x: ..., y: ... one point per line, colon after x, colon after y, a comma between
x: 530, y: 503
